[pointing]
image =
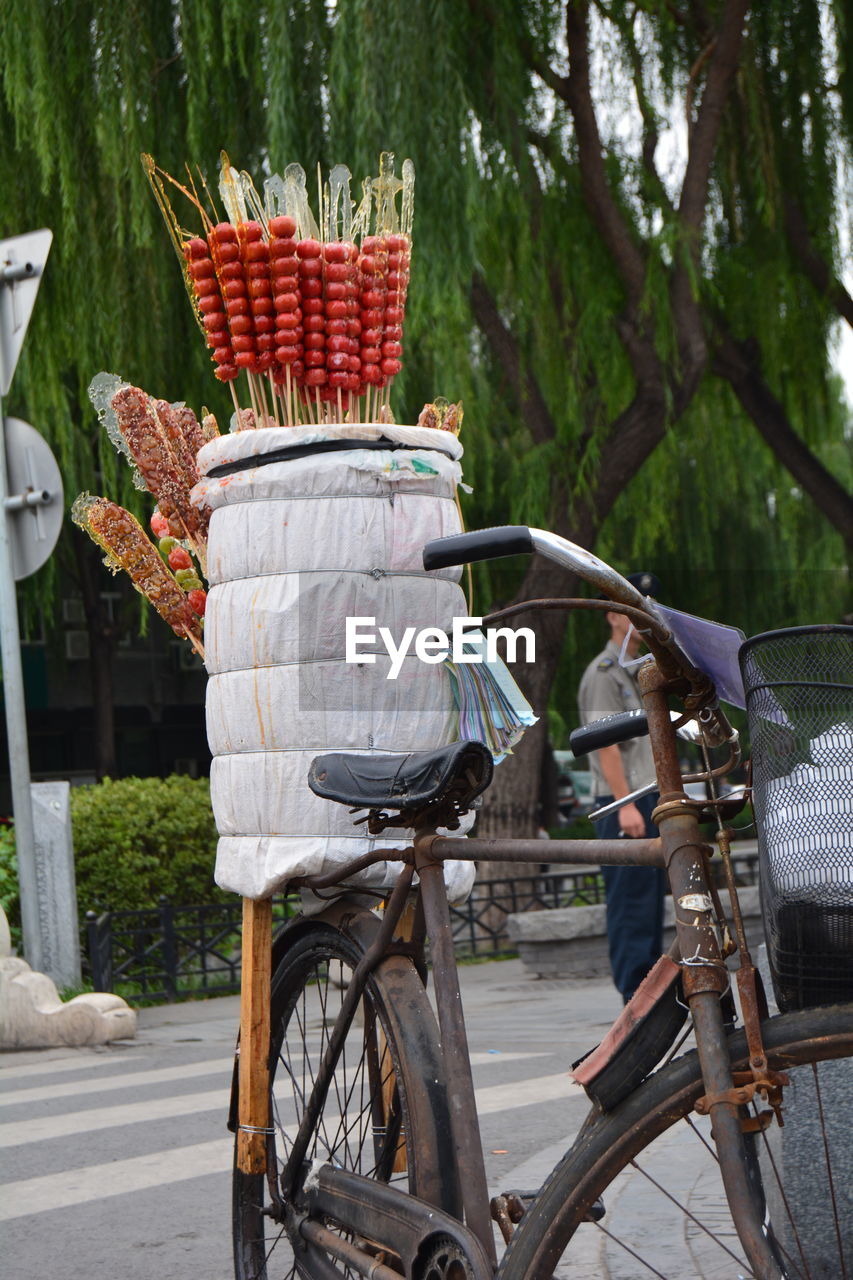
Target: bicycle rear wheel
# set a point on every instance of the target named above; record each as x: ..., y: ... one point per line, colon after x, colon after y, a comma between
x: 654, y: 1166
x: 385, y: 1114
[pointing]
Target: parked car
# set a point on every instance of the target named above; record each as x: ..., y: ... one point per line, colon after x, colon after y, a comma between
x: 574, y: 787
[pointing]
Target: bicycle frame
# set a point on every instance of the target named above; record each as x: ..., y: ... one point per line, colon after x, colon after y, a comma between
x: 680, y: 849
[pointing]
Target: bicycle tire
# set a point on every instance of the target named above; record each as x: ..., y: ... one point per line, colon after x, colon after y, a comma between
x: 616, y: 1156
x: 306, y: 993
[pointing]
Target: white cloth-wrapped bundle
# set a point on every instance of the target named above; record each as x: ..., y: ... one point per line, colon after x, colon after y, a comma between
x: 295, y: 548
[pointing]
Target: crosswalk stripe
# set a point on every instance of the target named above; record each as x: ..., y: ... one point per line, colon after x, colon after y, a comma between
x: 492, y: 1098
x: 524, y: 1093
x: 80, y: 1062
x: 42, y: 1128
x: 186, y: 1071
x: 53, y: 1191
x: 132, y: 1080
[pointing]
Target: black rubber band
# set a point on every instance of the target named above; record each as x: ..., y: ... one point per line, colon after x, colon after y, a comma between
x: 300, y: 451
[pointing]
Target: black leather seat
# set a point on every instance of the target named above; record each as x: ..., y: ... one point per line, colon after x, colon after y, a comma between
x: 409, y: 780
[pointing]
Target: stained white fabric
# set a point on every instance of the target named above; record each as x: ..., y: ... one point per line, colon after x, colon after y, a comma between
x: 295, y: 548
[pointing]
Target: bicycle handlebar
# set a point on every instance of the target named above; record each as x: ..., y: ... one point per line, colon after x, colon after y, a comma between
x: 480, y: 544
x: 620, y: 727
x: 515, y: 539
x: 486, y: 544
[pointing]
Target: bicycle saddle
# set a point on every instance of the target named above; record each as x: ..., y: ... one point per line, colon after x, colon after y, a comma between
x: 407, y: 780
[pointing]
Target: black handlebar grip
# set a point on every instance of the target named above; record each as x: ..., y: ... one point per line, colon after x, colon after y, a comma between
x: 480, y: 544
x: 604, y: 733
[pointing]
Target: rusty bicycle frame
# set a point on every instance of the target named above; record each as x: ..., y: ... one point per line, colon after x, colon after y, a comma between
x: 680, y: 849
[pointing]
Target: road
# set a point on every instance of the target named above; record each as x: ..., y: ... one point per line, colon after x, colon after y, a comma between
x: 115, y: 1162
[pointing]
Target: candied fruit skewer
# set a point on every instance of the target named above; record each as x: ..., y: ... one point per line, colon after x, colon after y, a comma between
x: 210, y: 303
x: 342, y: 322
x: 309, y: 253
x: 289, y: 327
x: 127, y: 547
x: 160, y: 472
x: 254, y: 254
x: 183, y: 432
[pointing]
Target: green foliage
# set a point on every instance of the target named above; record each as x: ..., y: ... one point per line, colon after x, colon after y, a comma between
x: 134, y: 839
x: 464, y: 90
x: 138, y: 838
x: 9, y: 899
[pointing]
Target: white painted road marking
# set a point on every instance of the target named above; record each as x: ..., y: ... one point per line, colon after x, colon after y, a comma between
x: 79, y: 1088
x: 81, y: 1062
x: 186, y: 1071
x: 54, y: 1191
x: 121, y: 1177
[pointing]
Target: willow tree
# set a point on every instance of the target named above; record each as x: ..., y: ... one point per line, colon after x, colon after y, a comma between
x: 625, y: 242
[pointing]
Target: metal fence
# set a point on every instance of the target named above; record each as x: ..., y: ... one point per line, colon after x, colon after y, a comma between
x: 167, y: 952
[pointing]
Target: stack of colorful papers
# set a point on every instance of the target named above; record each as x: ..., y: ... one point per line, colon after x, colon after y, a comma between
x: 492, y: 709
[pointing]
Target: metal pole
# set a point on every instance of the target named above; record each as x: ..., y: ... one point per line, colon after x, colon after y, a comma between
x: 16, y: 727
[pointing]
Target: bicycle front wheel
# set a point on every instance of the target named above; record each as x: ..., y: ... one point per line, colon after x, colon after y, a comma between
x: 653, y: 1164
x: 385, y: 1114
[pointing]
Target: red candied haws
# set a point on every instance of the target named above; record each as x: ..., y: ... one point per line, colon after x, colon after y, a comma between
x: 284, y: 280
x: 373, y: 267
x: 254, y: 254
x: 210, y: 303
x: 397, y: 280
x: 225, y: 251
x: 309, y: 254
x: 341, y: 300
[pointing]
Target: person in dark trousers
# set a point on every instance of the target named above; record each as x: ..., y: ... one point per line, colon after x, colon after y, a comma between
x: 634, y: 895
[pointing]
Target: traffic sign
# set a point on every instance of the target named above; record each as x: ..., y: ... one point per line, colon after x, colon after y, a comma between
x: 35, y: 497
x: 22, y: 260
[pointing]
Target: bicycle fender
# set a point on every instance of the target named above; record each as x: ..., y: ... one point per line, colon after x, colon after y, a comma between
x: 638, y: 1039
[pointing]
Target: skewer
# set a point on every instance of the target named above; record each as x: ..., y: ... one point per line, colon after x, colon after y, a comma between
x: 262, y: 398
x: 196, y: 644
x: 253, y: 399
x: 233, y: 391
x: 289, y: 389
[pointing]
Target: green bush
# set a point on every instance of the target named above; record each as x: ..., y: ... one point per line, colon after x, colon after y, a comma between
x: 9, y: 899
x: 138, y: 838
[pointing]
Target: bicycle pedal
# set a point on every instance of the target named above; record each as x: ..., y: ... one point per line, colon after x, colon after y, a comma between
x: 509, y: 1208
x: 519, y: 1202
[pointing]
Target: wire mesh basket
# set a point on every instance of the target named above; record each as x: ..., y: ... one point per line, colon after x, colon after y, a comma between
x: 799, y: 700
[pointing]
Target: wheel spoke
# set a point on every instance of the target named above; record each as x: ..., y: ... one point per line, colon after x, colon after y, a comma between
x: 307, y: 999
x: 633, y: 1253
x: 830, y: 1179
x: 687, y: 1213
x: 642, y: 1135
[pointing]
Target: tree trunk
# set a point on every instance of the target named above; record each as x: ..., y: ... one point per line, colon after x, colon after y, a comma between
x: 103, y: 636
x: 736, y: 362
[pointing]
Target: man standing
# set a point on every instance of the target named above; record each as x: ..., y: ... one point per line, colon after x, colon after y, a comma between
x: 634, y: 895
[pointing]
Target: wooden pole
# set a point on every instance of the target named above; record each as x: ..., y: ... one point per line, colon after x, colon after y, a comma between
x: 254, y: 1091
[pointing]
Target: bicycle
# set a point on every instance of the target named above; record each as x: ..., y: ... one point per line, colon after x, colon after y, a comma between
x: 373, y: 1161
